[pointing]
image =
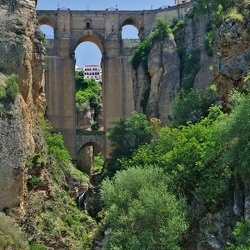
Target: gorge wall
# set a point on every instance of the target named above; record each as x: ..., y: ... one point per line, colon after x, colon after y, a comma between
x: 156, y: 90
x: 22, y: 54
x: 232, y: 50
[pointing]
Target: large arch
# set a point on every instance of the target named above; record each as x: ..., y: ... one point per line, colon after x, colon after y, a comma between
x: 89, y: 38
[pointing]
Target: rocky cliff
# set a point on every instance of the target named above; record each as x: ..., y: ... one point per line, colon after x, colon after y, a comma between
x: 155, y: 90
x: 232, y: 48
x: 22, y: 54
x: 231, y: 66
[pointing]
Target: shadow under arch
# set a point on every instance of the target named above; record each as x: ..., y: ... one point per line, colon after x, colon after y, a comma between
x: 133, y: 22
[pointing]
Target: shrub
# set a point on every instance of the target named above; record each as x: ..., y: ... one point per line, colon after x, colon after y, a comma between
x: 98, y: 163
x: 11, y: 88
x: 2, y: 93
x: 242, y: 236
x: 193, y: 106
x: 55, y: 144
x: 11, y: 237
x: 36, y: 246
x: 34, y: 180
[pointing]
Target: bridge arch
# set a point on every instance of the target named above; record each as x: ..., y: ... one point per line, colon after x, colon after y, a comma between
x: 86, y: 157
x: 46, y: 21
x: 133, y: 22
x: 130, y: 29
x: 93, y: 144
x: 89, y: 38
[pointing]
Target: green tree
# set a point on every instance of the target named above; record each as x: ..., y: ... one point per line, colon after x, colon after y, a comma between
x: 242, y: 236
x: 191, y: 157
x: 140, y: 211
x: 127, y: 135
x: 234, y: 132
x: 11, y: 89
x: 193, y: 106
x: 88, y: 94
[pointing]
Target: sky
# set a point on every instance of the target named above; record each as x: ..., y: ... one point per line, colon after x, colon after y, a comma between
x: 87, y: 52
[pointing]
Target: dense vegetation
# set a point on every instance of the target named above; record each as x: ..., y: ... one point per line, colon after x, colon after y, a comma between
x: 197, y: 161
x: 126, y: 136
x: 193, y: 106
x: 11, y: 237
x: 140, y: 211
x: 51, y: 214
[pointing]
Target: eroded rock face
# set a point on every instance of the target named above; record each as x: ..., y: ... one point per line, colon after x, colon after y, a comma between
x: 163, y: 67
x: 22, y: 54
x: 155, y: 91
x: 195, y: 39
x: 233, y: 54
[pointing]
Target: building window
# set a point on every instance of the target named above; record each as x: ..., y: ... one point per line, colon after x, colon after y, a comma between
x: 87, y: 25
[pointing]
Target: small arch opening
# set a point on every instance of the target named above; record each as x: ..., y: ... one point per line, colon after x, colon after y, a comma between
x: 47, y: 31
x: 130, y: 29
x: 90, y: 159
x: 130, y: 32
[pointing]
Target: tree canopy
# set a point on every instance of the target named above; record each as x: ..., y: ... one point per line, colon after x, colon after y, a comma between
x: 127, y: 135
x: 140, y: 211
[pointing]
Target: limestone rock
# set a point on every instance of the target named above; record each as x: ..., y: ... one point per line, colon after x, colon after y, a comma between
x: 193, y: 37
x: 232, y: 55
x: 141, y: 87
x: 22, y: 54
x: 163, y: 67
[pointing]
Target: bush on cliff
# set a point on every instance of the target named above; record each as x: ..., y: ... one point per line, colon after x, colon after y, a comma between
x: 9, y: 91
x: 11, y: 236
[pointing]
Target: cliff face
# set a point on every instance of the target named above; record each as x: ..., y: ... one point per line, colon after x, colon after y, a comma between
x: 163, y: 68
x: 231, y: 65
x: 233, y: 52
x: 22, y: 54
x: 194, y: 38
x: 155, y: 91
x: 159, y: 86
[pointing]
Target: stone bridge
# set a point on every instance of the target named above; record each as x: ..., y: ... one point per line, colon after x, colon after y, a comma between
x: 95, y: 140
x: 104, y: 28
